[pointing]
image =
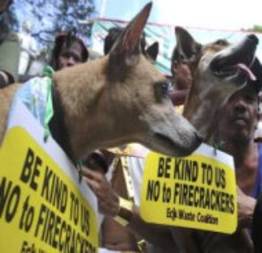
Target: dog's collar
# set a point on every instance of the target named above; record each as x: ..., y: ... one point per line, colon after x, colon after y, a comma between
x: 56, y: 123
x: 42, y: 99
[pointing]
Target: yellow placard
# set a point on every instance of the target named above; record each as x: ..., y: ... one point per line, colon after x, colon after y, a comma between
x: 41, y: 209
x: 198, y: 191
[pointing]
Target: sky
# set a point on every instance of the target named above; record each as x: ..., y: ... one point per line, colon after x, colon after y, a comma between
x: 225, y: 17
x: 222, y: 14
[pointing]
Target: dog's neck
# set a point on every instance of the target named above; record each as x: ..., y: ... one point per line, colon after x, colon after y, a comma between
x: 77, y: 89
x: 202, y: 106
x: 57, y: 124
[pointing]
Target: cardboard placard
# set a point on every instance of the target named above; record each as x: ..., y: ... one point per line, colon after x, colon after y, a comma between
x: 198, y: 191
x: 43, y: 208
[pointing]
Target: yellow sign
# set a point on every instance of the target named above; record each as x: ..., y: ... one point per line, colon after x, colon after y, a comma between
x: 198, y: 191
x: 41, y: 208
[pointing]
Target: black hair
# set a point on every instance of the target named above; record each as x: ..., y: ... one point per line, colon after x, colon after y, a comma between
x: 175, y: 58
x: 110, y: 39
x: 96, y: 160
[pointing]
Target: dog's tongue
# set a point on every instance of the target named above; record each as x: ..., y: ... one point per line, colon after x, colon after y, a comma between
x: 247, y: 70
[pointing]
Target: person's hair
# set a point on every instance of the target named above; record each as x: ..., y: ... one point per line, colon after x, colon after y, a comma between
x: 113, y: 34
x: 111, y: 37
x: 175, y: 59
x: 66, y: 40
x: 96, y: 161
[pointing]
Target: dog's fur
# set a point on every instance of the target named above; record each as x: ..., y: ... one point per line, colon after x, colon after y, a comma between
x: 117, y: 99
x: 216, y: 76
x: 212, y: 85
x: 113, y: 33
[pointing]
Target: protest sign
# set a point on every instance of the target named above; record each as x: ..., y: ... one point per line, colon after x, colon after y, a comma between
x: 43, y: 207
x: 198, y: 191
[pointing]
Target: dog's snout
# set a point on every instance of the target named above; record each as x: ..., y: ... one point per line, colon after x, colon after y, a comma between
x: 253, y: 38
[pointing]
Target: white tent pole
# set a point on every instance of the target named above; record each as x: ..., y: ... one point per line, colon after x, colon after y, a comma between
x: 103, y: 8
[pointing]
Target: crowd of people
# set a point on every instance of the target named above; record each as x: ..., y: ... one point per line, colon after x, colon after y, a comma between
x: 122, y: 229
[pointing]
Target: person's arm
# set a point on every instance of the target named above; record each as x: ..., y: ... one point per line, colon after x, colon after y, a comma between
x: 157, y: 235
x: 246, y: 207
x: 108, y: 203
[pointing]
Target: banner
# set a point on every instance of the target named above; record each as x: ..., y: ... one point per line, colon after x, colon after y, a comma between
x: 43, y: 207
x: 164, y: 34
x: 198, y: 191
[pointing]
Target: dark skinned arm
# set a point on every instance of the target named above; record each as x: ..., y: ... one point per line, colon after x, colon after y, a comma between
x: 108, y: 204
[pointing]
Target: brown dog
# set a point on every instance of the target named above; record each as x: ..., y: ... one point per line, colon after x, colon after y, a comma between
x: 218, y: 71
x: 117, y: 99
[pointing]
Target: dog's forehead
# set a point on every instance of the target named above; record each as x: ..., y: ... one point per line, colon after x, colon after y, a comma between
x: 208, y: 52
x: 215, y: 47
x: 148, y: 67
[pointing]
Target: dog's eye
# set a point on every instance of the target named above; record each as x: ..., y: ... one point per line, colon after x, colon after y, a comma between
x: 221, y: 42
x: 163, y: 89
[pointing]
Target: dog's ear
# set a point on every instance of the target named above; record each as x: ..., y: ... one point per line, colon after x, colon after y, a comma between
x: 152, y: 51
x: 127, y: 47
x: 187, y: 48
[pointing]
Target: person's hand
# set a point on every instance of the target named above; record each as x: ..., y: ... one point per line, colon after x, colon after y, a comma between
x: 108, y: 202
x: 246, y: 207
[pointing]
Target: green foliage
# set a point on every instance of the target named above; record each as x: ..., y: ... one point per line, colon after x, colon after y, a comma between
x: 257, y: 28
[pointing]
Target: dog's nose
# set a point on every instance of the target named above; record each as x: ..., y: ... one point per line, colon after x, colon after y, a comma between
x: 253, y: 38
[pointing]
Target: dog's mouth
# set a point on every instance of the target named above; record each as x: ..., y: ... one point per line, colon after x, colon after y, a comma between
x: 165, y: 140
x: 235, y: 61
x: 169, y: 144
